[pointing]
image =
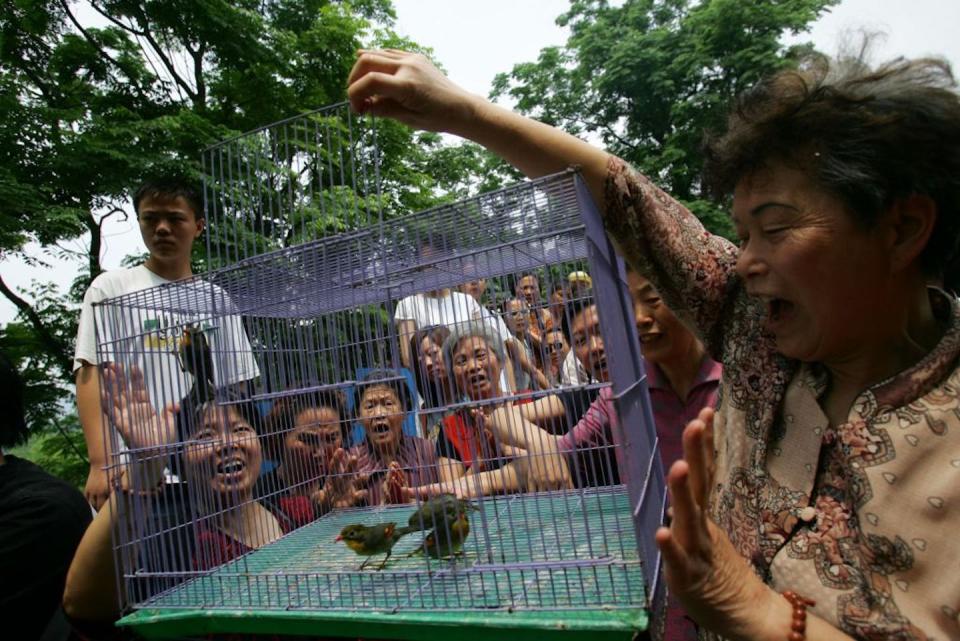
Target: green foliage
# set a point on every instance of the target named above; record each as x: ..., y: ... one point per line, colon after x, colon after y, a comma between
x: 649, y: 77
x: 58, y: 451
x: 91, y: 101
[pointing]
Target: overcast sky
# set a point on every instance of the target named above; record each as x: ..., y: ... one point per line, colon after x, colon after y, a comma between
x: 476, y: 40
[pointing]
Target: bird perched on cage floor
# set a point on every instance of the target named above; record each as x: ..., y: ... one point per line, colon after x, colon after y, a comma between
x: 371, y: 540
x: 439, y: 512
x: 447, y: 541
x: 196, y: 359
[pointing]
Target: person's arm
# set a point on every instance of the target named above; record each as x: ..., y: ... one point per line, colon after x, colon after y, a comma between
x: 90, y: 593
x: 93, y: 422
x: 543, y: 411
x: 656, y: 235
x: 509, y: 373
x: 407, y: 87
x: 714, y: 584
x: 406, y: 328
x: 520, y: 355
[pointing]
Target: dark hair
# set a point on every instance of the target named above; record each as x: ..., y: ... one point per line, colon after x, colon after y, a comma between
x: 170, y: 186
x: 506, y: 301
x: 521, y: 275
x: 432, y: 395
x: 13, y: 424
x: 190, y: 415
x: 283, y: 415
x: 571, y: 310
x: 389, y: 378
x: 867, y: 136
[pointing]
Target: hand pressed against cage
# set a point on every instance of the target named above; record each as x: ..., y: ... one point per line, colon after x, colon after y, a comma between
x: 836, y: 426
x: 472, y: 461
x: 313, y: 464
x: 393, y: 464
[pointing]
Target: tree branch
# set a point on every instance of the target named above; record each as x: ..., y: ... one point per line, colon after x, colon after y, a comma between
x: 96, y: 244
x: 197, y: 55
x: 87, y: 36
x: 167, y: 63
x: 105, y: 14
x: 54, y: 346
x: 115, y: 210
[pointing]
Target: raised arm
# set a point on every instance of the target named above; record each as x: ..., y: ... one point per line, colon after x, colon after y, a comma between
x: 657, y: 235
x: 407, y: 87
x: 90, y: 593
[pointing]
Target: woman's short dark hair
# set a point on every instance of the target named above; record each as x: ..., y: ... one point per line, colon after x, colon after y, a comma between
x: 389, y: 378
x: 868, y: 136
x: 283, y: 415
x: 571, y: 310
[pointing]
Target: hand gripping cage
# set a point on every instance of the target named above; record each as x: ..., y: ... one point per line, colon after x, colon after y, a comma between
x: 325, y: 373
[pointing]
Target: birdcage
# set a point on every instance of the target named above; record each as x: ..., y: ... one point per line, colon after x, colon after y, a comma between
x: 293, y: 428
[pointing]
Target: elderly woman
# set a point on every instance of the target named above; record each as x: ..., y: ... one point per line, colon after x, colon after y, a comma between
x: 831, y: 464
x: 392, y: 463
x: 472, y: 461
x: 315, y: 472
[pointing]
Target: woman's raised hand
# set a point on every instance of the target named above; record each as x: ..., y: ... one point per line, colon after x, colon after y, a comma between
x: 408, y: 87
x: 127, y: 403
x: 713, y: 582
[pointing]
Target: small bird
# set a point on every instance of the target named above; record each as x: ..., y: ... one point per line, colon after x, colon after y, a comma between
x: 371, y: 540
x: 445, y: 542
x: 196, y: 359
x: 439, y: 512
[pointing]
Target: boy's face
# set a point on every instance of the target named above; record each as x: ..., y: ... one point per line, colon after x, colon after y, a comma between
x: 168, y: 226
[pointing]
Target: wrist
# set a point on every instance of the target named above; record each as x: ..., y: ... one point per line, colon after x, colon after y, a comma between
x: 476, y: 113
x: 772, y: 620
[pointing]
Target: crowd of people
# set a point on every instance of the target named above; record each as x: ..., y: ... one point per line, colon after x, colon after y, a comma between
x: 804, y: 381
x: 506, y: 393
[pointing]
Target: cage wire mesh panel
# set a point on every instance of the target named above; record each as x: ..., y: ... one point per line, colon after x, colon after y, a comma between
x: 307, y: 177
x: 292, y: 426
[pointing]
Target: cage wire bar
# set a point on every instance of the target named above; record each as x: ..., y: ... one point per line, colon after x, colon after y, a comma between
x: 325, y: 373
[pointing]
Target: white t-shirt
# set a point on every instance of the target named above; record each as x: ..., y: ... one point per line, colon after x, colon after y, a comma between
x: 148, y: 335
x: 456, y: 309
x: 572, y: 372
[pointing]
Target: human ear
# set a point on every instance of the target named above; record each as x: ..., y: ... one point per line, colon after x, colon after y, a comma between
x: 911, y: 222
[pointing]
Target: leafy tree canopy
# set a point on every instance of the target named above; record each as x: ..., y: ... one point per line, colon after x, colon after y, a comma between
x: 648, y: 77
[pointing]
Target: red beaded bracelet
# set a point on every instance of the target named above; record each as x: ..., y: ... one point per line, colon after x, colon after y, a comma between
x: 798, y: 627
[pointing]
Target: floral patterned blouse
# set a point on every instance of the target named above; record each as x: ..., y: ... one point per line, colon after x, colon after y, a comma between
x: 862, y: 517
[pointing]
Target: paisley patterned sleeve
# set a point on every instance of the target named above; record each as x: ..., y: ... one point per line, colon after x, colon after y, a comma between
x: 691, y: 268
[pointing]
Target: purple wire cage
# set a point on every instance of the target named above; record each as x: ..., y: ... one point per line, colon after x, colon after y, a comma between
x: 327, y: 373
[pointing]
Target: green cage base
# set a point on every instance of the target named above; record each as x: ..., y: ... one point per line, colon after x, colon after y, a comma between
x: 439, y: 625
x: 305, y: 584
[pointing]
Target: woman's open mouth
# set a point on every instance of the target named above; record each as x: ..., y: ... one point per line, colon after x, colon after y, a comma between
x: 779, y: 311
x: 478, y: 381
x: 231, y: 469
x: 380, y: 428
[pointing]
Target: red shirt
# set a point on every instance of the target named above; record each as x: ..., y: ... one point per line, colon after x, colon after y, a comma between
x: 671, y: 413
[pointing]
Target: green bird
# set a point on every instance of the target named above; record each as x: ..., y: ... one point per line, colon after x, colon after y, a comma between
x: 371, y: 540
x: 444, y: 542
x: 196, y: 359
x: 439, y: 512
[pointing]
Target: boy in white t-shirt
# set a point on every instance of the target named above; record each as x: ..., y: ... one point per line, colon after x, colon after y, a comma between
x: 170, y: 213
